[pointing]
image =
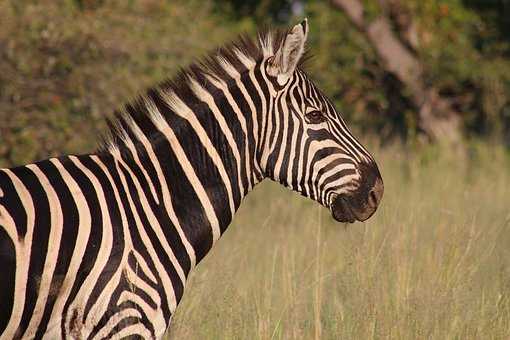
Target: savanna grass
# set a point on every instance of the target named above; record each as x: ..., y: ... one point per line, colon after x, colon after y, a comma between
x: 433, y: 263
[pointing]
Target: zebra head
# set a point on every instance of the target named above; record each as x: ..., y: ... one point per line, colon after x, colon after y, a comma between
x: 307, y: 145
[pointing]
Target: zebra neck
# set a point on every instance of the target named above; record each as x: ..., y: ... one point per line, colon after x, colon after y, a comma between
x: 201, y: 161
x: 199, y: 148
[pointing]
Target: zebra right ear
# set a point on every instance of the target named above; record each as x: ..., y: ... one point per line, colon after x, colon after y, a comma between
x: 289, y: 53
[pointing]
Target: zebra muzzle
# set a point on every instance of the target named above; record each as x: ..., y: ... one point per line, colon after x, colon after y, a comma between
x: 361, y: 204
x: 341, y: 210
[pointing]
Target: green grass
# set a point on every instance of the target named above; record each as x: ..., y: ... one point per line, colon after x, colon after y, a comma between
x: 433, y: 263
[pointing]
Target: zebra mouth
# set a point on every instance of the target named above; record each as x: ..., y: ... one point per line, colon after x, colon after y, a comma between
x: 342, y: 210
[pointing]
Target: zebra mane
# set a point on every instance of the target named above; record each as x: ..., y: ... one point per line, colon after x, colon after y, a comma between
x: 221, y: 65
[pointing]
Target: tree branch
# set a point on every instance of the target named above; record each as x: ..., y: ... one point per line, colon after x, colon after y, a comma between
x: 353, y: 9
x: 435, y: 116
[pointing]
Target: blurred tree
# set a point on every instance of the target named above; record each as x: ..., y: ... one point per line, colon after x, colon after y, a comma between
x: 459, y: 55
x: 496, y: 17
x: 89, y: 4
x: 64, y: 67
x: 65, y: 64
x: 264, y: 11
x: 434, y: 114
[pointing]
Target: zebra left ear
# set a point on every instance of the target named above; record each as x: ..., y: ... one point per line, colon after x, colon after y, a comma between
x: 289, y: 53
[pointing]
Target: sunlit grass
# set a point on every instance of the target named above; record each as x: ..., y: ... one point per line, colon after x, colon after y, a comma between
x: 433, y: 263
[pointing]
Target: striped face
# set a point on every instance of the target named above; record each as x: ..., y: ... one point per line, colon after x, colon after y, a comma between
x: 309, y: 147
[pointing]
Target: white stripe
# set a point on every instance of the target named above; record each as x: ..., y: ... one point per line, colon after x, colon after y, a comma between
x: 255, y: 132
x: 155, y: 316
x: 133, y: 277
x: 167, y: 131
x: 137, y: 329
x: 167, y: 199
x: 115, y: 319
x: 266, y: 43
x: 23, y: 251
x: 263, y: 113
x: 205, y: 96
x: 240, y: 117
x: 167, y: 282
x: 131, y: 146
x: 302, y: 185
x: 349, y: 179
x: 182, y: 110
x: 284, y: 125
x: 105, y: 247
x: 280, y: 128
x: 340, y: 167
x: 246, y: 60
x: 143, y: 266
x: 56, y: 225
x: 344, y: 141
x: 101, y: 305
x: 268, y: 122
x: 153, y: 223
x: 297, y: 123
x: 83, y: 231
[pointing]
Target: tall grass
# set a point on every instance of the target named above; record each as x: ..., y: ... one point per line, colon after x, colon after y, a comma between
x: 433, y: 263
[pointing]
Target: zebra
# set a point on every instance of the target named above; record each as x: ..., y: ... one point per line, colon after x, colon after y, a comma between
x: 100, y: 245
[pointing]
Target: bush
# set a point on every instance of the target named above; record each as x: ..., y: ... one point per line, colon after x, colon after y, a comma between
x: 66, y: 64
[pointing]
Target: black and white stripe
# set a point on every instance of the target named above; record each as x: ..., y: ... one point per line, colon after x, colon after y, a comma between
x: 100, y: 245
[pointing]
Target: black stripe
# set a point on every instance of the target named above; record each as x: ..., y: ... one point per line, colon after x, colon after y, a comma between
x: 96, y: 229
x: 114, y: 258
x: 299, y: 130
x: 160, y: 210
x: 135, y: 267
x: 12, y: 203
x: 154, y: 240
x: 266, y: 93
x: 67, y: 242
x: 135, y: 237
x: 288, y: 146
x: 336, y: 176
x: 39, y: 246
x: 7, y: 284
x: 277, y: 132
x: 217, y: 136
x: 186, y: 204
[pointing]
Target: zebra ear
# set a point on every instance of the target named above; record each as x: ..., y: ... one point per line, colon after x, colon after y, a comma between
x: 289, y: 53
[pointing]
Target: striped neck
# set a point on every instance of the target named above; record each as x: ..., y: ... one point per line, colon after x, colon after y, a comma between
x: 200, y: 138
x: 199, y: 152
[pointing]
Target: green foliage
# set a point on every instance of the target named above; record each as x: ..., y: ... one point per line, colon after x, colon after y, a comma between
x: 66, y: 64
x: 464, y: 50
x: 465, y: 58
x: 348, y: 70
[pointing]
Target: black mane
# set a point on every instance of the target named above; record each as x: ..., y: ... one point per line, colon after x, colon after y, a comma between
x: 253, y: 50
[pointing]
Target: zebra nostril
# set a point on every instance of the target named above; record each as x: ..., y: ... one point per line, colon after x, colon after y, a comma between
x: 373, y: 198
x: 375, y: 195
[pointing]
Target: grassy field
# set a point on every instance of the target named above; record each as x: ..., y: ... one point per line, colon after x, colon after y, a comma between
x: 433, y: 263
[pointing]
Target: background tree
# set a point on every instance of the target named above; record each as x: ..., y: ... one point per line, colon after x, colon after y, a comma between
x: 65, y: 64
x: 434, y: 114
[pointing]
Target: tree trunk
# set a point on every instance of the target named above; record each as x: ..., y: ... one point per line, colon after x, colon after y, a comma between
x: 435, y: 115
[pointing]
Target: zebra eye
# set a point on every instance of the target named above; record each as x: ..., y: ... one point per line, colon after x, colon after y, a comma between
x: 315, y: 117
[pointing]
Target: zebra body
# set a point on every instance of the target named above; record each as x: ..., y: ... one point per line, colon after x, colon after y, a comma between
x: 100, y: 245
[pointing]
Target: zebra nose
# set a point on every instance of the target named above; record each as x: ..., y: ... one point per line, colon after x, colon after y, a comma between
x: 364, y: 202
